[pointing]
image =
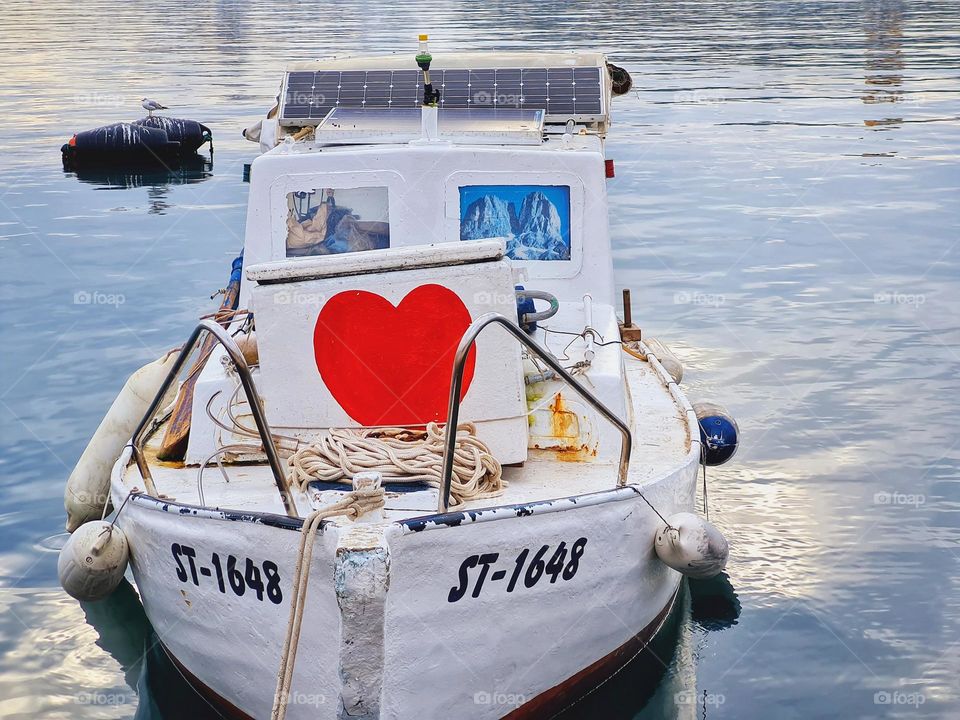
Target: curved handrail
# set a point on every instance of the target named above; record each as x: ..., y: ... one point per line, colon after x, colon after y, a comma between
x: 456, y: 383
x: 253, y: 399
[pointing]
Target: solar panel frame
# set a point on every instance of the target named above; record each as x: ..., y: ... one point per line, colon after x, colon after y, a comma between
x: 482, y: 126
x: 563, y: 93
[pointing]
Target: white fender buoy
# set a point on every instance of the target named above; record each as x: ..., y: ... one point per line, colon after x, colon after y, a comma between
x: 692, y: 546
x: 93, y: 560
x: 88, y: 488
x: 671, y: 363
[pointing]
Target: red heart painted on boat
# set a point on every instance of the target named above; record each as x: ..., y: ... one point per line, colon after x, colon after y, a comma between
x: 389, y: 365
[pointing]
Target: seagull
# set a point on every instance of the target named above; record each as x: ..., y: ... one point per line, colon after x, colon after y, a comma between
x: 151, y: 105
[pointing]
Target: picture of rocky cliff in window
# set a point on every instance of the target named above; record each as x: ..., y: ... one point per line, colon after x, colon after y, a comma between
x: 328, y: 221
x: 534, y: 219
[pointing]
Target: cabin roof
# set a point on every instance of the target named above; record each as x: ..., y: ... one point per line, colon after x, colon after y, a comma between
x: 576, y: 143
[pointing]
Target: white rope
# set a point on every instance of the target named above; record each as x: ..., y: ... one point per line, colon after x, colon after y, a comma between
x: 400, y: 455
x: 288, y: 656
x: 367, y: 496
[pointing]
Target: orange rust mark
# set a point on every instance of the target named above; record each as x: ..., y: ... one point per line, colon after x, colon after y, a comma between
x: 575, y: 454
x: 566, y: 426
x: 569, y: 453
x: 563, y: 421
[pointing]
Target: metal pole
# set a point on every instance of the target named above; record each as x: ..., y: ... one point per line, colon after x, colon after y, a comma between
x: 253, y: 399
x: 456, y: 383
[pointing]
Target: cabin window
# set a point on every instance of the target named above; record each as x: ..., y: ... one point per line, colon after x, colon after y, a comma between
x: 534, y: 219
x: 327, y: 221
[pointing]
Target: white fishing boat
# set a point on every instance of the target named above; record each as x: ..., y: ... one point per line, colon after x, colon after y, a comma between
x: 308, y: 537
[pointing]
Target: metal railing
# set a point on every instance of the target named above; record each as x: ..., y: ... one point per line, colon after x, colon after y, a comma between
x: 453, y: 406
x: 456, y: 383
x: 253, y: 399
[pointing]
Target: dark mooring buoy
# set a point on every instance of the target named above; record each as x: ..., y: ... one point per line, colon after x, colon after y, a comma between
x: 151, y: 140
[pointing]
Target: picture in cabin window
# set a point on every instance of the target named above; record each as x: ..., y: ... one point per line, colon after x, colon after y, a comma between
x: 534, y: 219
x: 328, y: 221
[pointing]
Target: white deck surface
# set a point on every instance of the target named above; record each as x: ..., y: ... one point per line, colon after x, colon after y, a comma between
x: 661, y: 443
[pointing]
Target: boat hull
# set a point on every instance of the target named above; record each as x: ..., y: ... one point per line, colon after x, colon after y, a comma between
x: 547, y: 704
x: 483, y: 614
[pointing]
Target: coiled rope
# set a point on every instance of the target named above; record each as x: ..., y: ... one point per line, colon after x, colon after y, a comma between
x: 401, y: 455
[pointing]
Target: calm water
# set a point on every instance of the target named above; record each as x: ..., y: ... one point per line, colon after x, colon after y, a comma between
x: 785, y: 210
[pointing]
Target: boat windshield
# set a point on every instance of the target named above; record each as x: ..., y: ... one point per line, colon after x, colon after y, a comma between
x: 328, y: 221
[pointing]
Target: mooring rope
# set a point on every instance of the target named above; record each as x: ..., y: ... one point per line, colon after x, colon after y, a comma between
x: 365, y: 497
x: 301, y: 575
x: 400, y: 455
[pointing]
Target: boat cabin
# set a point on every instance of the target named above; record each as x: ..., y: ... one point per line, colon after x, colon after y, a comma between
x: 376, y: 235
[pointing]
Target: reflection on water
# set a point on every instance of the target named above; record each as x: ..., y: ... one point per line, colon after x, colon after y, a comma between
x: 126, y: 634
x: 883, y: 28
x: 123, y: 629
x: 714, y: 603
x: 784, y: 210
x: 157, y: 179
x: 52, y: 666
x: 661, y: 681
x: 98, y: 659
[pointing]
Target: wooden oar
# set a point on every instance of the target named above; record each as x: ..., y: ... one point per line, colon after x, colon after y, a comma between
x: 174, y: 445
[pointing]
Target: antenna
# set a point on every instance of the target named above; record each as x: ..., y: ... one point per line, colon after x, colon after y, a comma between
x: 430, y: 96
x: 429, y: 110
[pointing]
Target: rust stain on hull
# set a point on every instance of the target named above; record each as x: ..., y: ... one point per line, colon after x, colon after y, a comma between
x: 565, y: 427
x: 150, y: 455
x: 565, y: 423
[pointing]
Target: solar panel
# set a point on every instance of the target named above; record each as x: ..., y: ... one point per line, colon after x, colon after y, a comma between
x: 563, y: 92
